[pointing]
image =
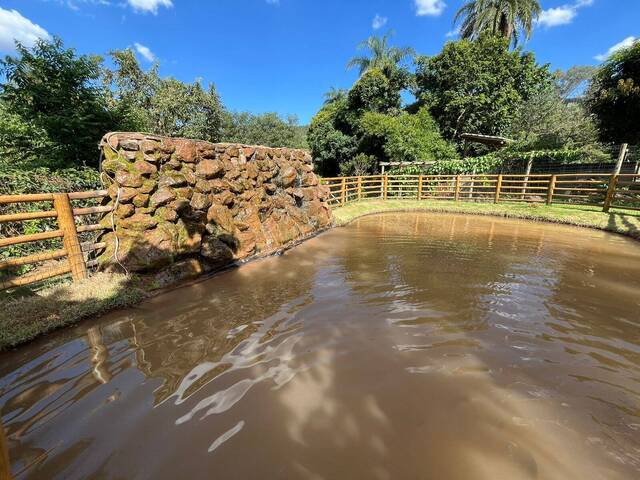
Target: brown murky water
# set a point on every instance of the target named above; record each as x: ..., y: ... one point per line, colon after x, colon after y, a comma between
x: 405, y: 346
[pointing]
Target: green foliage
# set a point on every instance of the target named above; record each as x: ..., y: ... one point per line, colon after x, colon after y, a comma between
x: 361, y: 164
x: 614, y: 96
x: 405, y: 137
x: 329, y: 145
x: 164, y: 106
x: 54, y: 104
x: 506, y: 18
x: 16, y: 180
x: 374, y: 92
x: 477, y: 87
x: 268, y: 129
x: 573, y: 82
x: 546, y: 121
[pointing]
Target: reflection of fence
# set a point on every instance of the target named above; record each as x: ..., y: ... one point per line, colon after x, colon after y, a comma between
x: 595, y: 189
x: 75, y: 252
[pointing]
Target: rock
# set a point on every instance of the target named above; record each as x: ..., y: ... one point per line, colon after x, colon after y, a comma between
x: 288, y: 176
x: 225, y: 198
x: 203, y: 186
x: 141, y: 200
x: 123, y: 211
x: 166, y: 214
x: 209, y: 168
x: 130, y: 145
x: 138, y: 222
x: 309, y: 180
x: 221, y: 216
x: 126, y: 179
x: 216, y: 251
x: 144, y: 168
x: 163, y: 196
x: 148, y: 186
x: 200, y: 201
x: 185, y: 151
x: 172, y: 179
x: 149, y: 147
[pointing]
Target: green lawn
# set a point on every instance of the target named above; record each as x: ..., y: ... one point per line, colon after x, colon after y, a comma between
x: 618, y: 221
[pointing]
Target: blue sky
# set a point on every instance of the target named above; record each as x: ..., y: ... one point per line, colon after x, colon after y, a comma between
x: 282, y: 55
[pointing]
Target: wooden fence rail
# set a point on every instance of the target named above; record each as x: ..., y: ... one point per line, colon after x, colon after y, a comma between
x: 597, y: 189
x: 73, y: 250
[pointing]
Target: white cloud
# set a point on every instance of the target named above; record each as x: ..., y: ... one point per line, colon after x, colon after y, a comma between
x: 563, y: 15
x: 379, y: 22
x: 627, y: 42
x: 13, y: 26
x: 149, y: 6
x: 453, y: 33
x: 145, y: 52
x: 429, y: 7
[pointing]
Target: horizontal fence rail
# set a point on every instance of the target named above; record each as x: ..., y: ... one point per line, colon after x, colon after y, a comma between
x: 593, y: 189
x: 72, y: 258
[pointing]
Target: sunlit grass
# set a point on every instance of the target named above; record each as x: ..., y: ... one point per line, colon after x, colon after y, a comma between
x: 23, y: 318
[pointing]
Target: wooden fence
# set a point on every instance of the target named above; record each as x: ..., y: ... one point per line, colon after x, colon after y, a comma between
x: 65, y: 214
x: 602, y: 190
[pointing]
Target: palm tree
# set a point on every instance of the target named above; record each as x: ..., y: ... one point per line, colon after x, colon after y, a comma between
x: 335, y: 95
x: 381, y: 56
x: 506, y: 18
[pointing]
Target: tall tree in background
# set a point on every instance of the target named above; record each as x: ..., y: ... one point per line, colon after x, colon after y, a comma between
x: 54, y: 108
x: 164, y: 106
x: 614, y: 96
x: 478, y: 86
x: 505, y: 18
x: 381, y: 55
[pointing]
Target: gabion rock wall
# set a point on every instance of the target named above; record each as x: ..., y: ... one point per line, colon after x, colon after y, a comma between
x: 179, y: 199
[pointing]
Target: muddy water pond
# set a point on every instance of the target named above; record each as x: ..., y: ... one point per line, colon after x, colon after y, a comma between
x: 404, y: 346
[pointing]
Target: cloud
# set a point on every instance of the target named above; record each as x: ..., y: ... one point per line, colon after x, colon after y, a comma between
x: 453, y: 33
x: 149, y: 6
x: 146, y: 52
x: 429, y: 7
x: 563, y: 15
x: 13, y: 26
x: 379, y: 22
x: 627, y: 42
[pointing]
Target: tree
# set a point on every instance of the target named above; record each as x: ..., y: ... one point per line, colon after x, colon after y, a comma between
x: 508, y: 19
x: 614, y: 96
x: 268, y: 129
x: 164, y: 106
x: 574, y: 81
x: 335, y: 95
x: 54, y: 105
x: 381, y: 56
x: 477, y: 86
x: 405, y: 137
x: 546, y: 121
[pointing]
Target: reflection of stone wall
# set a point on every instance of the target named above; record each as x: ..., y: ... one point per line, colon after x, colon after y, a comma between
x: 211, y: 202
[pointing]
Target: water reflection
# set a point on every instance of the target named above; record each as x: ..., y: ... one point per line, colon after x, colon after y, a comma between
x: 403, y: 346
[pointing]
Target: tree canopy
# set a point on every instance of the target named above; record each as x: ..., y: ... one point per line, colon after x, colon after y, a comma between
x: 614, y: 96
x: 477, y: 86
x: 509, y: 19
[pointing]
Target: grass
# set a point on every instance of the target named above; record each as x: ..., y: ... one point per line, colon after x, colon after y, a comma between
x: 621, y: 222
x: 24, y: 318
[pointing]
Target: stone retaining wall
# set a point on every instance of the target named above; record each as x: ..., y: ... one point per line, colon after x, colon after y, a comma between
x: 205, y: 205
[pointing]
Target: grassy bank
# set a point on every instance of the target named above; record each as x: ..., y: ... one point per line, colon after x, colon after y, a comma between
x: 23, y: 318
x: 623, y: 222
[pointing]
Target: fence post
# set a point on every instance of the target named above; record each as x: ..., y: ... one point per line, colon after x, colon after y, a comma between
x: 359, y: 188
x: 611, y: 192
x: 457, y: 192
x: 420, y: 187
x: 70, y: 240
x: 343, y: 191
x: 5, y: 465
x: 385, y: 187
x: 551, y: 189
x: 621, y: 156
x: 498, y: 188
